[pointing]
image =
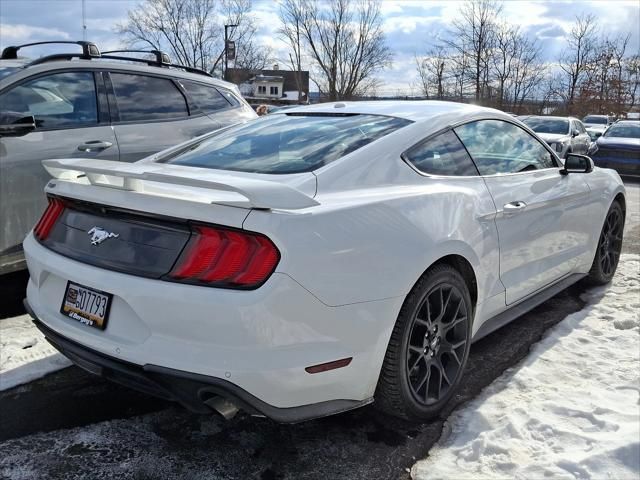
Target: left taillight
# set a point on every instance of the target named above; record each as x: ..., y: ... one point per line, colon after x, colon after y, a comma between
x: 49, y: 218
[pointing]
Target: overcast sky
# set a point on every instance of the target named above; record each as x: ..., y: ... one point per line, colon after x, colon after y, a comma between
x: 411, y: 26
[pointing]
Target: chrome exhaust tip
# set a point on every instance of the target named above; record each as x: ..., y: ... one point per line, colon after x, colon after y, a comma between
x: 223, y: 406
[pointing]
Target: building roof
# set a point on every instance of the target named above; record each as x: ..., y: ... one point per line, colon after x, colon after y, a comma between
x: 267, y: 78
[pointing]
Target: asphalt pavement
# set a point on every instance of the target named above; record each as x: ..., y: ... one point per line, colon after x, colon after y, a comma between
x: 74, y: 425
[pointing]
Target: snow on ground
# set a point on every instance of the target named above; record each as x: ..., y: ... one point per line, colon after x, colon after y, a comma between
x: 571, y: 410
x: 24, y: 353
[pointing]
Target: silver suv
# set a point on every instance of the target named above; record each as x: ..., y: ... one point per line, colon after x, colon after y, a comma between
x: 106, y: 106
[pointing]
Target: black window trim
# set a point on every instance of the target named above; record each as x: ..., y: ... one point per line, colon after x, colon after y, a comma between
x: 100, y: 100
x: 453, y: 126
x: 113, y: 102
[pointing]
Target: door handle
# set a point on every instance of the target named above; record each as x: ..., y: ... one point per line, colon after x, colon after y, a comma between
x: 94, y: 146
x: 514, y: 207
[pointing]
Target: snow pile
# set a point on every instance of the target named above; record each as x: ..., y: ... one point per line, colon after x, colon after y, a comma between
x: 24, y: 353
x: 571, y: 410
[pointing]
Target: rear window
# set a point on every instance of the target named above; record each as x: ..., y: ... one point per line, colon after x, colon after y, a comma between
x: 592, y: 119
x: 287, y: 143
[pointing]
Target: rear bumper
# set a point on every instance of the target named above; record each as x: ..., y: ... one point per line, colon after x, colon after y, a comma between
x: 257, y: 341
x: 189, y: 389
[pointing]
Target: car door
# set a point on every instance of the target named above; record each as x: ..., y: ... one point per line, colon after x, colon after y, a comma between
x: 71, y: 118
x: 578, y: 144
x: 151, y: 114
x: 542, y: 216
x: 583, y: 138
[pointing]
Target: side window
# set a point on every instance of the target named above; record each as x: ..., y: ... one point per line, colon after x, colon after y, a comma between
x: 581, y: 127
x: 60, y: 100
x: 207, y: 98
x: 442, y: 155
x: 501, y: 147
x: 143, y: 98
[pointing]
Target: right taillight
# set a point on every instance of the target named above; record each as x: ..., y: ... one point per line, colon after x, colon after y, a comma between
x: 221, y: 257
x: 49, y: 218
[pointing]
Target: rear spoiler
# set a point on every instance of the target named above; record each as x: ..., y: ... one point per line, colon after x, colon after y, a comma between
x: 170, y: 180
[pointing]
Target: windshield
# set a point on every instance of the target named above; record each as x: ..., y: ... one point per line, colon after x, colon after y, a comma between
x: 6, y: 71
x: 547, y: 125
x: 287, y: 143
x: 623, y: 131
x: 595, y: 119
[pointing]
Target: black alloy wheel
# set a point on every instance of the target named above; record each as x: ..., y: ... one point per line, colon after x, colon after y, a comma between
x: 429, y: 346
x: 607, y: 255
x: 437, y: 343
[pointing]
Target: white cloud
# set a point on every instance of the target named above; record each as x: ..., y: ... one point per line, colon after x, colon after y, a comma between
x: 20, y: 33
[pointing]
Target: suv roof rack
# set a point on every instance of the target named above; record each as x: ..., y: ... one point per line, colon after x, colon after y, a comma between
x: 89, y: 50
x: 162, y: 59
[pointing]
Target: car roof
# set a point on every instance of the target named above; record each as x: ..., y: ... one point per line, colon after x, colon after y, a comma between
x: 414, y: 110
x: 25, y: 70
x: 631, y: 121
x: 552, y: 117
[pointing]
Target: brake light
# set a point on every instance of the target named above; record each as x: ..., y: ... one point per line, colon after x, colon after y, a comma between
x: 226, y: 258
x: 49, y: 218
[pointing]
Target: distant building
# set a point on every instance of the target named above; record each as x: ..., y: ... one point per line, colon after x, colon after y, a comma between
x: 271, y: 86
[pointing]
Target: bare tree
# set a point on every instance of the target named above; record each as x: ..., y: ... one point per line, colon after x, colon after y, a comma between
x: 344, y: 41
x: 432, y: 71
x: 578, y: 55
x: 192, y: 31
x: 472, y: 41
x: 631, y: 77
x: 291, y: 31
x: 504, y: 59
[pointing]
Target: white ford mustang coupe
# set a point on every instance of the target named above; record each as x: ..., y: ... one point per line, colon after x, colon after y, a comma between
x: 315, y: 260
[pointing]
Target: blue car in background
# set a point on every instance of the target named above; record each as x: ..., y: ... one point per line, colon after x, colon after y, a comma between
x: 619, y: 148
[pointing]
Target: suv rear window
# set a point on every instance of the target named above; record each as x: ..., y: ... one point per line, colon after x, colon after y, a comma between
x: 287, y: 143
x: 142, y: 98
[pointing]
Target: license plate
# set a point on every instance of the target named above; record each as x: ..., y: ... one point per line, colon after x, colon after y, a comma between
x: 86, y: 305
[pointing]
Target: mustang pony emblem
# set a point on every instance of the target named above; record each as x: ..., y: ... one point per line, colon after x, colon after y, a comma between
x: 99, y: 235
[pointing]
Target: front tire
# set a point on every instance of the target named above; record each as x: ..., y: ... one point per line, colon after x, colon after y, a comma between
x: 607, y: 256
x: 429, y: 347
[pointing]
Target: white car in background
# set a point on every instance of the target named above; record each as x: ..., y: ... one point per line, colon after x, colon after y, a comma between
x: 563, y: 134
x: 313, y: 261
x: 596, y: 125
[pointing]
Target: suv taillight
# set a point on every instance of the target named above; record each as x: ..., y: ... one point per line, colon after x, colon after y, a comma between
x: 49, y: 218
x: 220, y: 257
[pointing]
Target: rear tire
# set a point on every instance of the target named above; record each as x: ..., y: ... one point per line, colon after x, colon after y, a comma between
x: 429, y: 347
x: 609, y: 247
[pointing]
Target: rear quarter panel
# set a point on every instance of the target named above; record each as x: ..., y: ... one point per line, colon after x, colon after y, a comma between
x: 375, y: 243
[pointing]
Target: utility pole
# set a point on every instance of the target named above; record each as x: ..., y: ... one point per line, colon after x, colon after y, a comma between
x: 84, y: 21
x: 226, y: 42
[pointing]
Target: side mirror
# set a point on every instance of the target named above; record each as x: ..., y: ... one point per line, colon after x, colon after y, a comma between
x: 575, y: 163
x: 12, y: 125
x: 575, y: 133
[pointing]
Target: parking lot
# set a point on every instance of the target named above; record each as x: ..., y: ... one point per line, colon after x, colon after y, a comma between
x: 79, y: 425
